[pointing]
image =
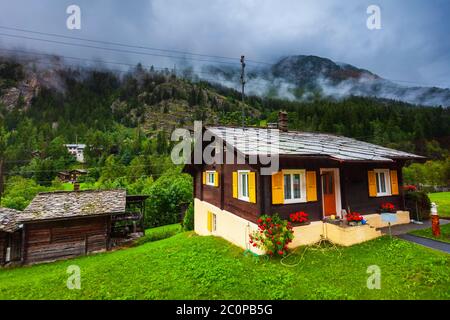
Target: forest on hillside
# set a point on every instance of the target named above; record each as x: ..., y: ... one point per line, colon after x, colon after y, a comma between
x: 126, y: 121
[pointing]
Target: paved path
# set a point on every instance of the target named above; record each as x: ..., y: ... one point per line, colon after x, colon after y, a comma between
x: 405, y: 228
x: 430, y: 243
x: 402, y: 230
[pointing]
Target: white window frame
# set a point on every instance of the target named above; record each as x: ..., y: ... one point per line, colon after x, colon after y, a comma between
x: 302, y: 173
x: 240, y: 195
x: 208, y: 175
x: 387, y: 181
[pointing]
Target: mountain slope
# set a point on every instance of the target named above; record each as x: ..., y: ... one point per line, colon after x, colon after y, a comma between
x: 304, y: 77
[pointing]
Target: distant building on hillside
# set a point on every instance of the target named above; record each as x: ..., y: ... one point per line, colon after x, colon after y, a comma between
x: 71, y: 175
x: 77, y: 150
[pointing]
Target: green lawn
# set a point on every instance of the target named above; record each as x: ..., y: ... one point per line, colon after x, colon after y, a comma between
x: 187, y: 266
x: 427, y: 233
x: 442, y: 199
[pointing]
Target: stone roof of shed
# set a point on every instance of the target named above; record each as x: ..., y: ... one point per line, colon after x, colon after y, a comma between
x: 8, y: 220
x: 68, y: 204
x: 253, y: 141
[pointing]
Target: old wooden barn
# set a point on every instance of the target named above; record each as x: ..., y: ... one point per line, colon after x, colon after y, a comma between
x: 10, y: 236
x: 62, y: 224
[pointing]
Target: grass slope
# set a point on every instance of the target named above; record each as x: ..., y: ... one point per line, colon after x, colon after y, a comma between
x: 187, y: 266
x: 427, y: 233
x: 442, y: 199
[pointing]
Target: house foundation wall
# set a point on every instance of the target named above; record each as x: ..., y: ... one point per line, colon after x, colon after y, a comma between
x: 375, y: 221
x: 237, y: 230
x: 228, y: 225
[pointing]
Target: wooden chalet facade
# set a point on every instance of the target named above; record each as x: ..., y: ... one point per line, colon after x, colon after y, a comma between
x: 60, y: 225
x: 323, y: 175
x: 72, y: 175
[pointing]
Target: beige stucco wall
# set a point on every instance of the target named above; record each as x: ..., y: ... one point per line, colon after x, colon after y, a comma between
x: 237, y: 230
x: 375, y: 221
x: 347, y: 236
x: 228, y: 225
x: 308, y: 234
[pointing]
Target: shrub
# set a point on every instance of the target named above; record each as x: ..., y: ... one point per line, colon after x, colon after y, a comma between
x: 273, y: 235
x: 418, y: 204
x: 188, y: 221
x: 167, y: 196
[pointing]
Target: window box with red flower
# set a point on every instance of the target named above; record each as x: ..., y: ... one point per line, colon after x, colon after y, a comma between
x: 355, y: 219
x: 299, y: 218
x: 387, y: 207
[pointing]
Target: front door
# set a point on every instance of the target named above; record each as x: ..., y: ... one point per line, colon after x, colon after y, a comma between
x: 329, y: 193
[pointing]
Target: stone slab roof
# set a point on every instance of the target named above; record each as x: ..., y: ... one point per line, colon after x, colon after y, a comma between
x: 68, y: 204
x: 253, y: 141
x: 8, y: 220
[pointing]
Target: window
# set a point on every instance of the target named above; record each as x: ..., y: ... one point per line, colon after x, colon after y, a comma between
x: 294, y: 186
x: 210, y: 178
x: 383, y: 182
x: 214, y: 222
x: 243, y: 185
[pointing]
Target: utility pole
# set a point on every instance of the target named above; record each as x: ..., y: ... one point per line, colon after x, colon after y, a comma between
x: 243, y: 88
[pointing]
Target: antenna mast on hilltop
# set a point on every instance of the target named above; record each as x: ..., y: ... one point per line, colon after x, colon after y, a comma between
x: 243, y: 88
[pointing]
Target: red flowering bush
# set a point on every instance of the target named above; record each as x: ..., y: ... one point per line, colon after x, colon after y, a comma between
x: 273, y: 235
x: 387, y: 206
x: 298, y: 217
x: 354, y: 217
x: 410, y: 187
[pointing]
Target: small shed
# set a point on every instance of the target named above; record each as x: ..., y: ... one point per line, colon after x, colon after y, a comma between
x: 10, y: 236
x: 61, y: 225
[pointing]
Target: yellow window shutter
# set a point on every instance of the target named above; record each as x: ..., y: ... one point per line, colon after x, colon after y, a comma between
x: 204, y: 177
x: 216, y: 179
x: 235, y: 184
x: 252, y: 187
x: 277, y: 188
x: 311, y: 186
x: 210, y: 221
x: 394, y: 182
x: 372, y: 183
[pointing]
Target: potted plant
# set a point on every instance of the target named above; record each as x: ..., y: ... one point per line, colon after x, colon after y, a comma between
x: 354, y: 219
x: 387, y: 207
x: 299, y: 218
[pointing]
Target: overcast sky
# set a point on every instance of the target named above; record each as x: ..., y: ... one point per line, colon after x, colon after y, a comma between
x: 413, y: 43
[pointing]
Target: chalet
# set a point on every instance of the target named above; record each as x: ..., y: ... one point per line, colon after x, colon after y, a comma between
x: 71, y: 175
x: 76, y: 150
x: 324, y: 175
x: 10, y: 236
x: 60, y: 225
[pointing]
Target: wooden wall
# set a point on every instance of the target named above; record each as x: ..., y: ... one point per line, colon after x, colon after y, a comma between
x: 3, y: 246
x: 354, y: 186
x: 54, y: 240
x: 353, y: 182
x: 14, y: 241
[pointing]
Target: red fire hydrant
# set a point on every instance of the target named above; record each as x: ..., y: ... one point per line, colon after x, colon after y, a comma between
x: 435, y: 220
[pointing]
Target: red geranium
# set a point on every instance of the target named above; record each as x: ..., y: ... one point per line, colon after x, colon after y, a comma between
x: 387, y: 206
x: 273, y: 235
x: 299, y: 217
x: 410, y: 187
x: 354, y: 216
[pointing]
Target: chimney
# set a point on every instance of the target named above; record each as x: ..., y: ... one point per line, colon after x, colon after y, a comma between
x: 283, y: 121
x: 76, y: 186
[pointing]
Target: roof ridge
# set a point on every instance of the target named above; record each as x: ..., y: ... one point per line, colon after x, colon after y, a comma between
x: 80, y: 191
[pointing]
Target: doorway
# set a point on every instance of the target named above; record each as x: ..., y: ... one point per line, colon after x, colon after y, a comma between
x: 331, y: 195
